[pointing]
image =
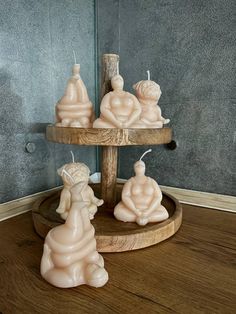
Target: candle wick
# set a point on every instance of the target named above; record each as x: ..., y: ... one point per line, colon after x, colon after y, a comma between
x: 148, y: 74
x: 147, y: 151
x: 73, y: 156
x: 67, y: 173
x: 74, y: 57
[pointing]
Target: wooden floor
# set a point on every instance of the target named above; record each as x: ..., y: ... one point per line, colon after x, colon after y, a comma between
x: 193, y: 272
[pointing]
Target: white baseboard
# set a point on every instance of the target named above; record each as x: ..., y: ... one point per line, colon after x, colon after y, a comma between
x: 23, y: 204
x: 203, y: 199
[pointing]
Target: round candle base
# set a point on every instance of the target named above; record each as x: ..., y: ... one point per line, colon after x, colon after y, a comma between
x: 113, y: 235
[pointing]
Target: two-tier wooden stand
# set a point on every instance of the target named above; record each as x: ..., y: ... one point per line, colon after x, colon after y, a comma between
x: 111, y: 235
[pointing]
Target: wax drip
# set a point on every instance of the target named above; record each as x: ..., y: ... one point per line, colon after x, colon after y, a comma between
x: 73, y: 156
x: 74, y: 56
x: 67, y: 173
x: 148, y: 74
x: 147, y: 151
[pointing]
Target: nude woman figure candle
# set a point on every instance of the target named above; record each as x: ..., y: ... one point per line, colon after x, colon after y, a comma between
x: 70, y: 257
x: 75, y: 109
x: 119, y: 109
x: 141, y: 199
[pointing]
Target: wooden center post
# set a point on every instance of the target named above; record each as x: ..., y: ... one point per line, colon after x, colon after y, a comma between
x: 110, y: 68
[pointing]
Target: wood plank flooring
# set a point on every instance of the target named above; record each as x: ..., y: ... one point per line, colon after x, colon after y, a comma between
x: 193, y: 272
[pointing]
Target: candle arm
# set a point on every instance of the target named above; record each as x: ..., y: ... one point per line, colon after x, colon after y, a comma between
x: 97, y: 201
x: 106, y: 112
x: 145, y: 120
x: 64, y: 201
x: 157, y: 197
x: 126, y: 198
x: 93, y: 198
x: 136, y: 113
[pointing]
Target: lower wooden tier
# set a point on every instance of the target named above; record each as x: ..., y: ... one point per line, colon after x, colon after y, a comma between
x: 113, y: 235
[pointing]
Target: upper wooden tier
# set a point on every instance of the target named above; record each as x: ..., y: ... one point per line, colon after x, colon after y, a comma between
x: 108, y: 137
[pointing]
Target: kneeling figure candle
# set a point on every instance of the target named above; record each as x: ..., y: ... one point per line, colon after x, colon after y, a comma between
x: 141, y: 199
x: 148, y: 93
x: 70, y: 257
x: 72, y: 173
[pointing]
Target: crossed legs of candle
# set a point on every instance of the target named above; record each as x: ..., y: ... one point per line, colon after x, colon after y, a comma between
x: 122, y: 213
x: 101, y: 123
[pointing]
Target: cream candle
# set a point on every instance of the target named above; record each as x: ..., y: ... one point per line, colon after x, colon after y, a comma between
x: 70, y: 257
x: 141, y: 198
x: 119, y: 109
x: 71, y: 174
x: 75, y: 109
x: 148, y: 93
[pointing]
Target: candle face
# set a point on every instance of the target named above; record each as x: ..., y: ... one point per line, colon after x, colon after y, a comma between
x: 148, y: 93
x: 70, y: 257
x: 75, y: 109
x: 141, y: 199
x: 72, y: 173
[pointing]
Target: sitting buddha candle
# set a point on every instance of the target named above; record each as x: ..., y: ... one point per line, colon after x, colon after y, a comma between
x: 141, y: 199
x: 70, y: 257
x: 75, y: 109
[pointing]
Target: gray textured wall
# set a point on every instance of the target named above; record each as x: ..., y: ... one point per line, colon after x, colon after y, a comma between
x: 189, y: 47
x: 36, y: 43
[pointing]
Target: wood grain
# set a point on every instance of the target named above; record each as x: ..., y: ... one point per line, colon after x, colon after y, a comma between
x: 110, y: 65
x: 192, y: 272
x: 110, y: 68
x: 113, y: 235
x: 108, y: 137
x: 108, y: 175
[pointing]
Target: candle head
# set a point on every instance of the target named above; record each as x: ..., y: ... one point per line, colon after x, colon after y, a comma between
x: 76, y: 69
x: 147, y: 90
x: 117, y: 82
x: 73, y: 173
x: 139, y: 168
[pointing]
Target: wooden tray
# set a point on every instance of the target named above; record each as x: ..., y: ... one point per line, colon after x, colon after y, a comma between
x: 108, y: 137
x: 113, y: 235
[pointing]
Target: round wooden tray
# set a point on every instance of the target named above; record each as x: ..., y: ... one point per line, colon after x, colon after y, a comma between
x: 108, y: 137
x: 113, y: 235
